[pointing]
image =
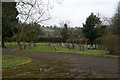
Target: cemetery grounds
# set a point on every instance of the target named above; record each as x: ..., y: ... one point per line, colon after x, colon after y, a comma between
x: 57, y: 61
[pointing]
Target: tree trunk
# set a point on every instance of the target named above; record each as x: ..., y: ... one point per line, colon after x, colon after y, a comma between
x: 3, y: 43
x: 19, y: 45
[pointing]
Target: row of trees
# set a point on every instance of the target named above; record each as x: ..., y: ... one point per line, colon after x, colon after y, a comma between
x: 19, y: 31
x: 31, y: 31
x: 107, y: 36
x: 92, y: 29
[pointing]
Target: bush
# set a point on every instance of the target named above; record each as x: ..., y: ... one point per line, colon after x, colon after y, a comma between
x: 110, y: 43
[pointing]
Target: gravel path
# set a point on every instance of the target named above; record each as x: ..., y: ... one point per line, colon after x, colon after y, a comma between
x: 62, y: 65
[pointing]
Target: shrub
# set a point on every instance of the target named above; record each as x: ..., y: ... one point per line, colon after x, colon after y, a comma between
x: 110, y: 43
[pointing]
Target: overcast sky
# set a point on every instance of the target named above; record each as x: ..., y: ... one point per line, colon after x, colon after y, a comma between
x: 76, y: 11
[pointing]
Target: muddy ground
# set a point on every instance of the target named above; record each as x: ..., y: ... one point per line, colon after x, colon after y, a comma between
x: 62, y: 65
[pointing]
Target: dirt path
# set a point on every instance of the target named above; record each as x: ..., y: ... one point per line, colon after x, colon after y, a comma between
x: 62, y: 65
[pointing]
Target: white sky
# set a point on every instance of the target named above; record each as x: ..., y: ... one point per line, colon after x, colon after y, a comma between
x: 76, y: 11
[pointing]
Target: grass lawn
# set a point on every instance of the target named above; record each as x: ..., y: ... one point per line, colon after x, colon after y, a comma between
x: 42, y: 47
x: 10, y: 60
x: 12, y: 44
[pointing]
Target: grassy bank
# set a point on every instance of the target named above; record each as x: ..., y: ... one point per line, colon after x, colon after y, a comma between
x: 10, y: 60
x: 42, y: 47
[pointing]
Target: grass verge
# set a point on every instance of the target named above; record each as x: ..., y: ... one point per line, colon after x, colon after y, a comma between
x: 10, y: 60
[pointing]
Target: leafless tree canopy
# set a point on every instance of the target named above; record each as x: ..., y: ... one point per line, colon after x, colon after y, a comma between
x: 34, y: 11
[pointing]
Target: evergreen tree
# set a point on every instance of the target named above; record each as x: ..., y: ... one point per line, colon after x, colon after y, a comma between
x: 90, y: 28
x: 9, y: 14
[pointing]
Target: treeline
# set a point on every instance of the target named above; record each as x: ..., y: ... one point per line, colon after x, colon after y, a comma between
x: 93, y: 29
x: 53, y: 40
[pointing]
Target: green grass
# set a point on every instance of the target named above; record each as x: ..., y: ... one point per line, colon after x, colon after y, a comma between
x: 10, y: 60
x: 12, y: 44
x: 41, y: 47
x: 48, y: 30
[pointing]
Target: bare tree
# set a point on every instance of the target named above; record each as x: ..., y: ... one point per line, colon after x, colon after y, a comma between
x: 61, y: 24
x: 32, y: 11
x: 111, y: 40
x: 116, y: 21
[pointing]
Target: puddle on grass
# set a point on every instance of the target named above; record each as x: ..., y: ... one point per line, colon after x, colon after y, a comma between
x: 42, y: 68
